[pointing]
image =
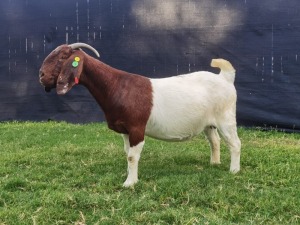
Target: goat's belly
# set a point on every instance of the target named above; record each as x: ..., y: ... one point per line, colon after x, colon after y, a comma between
x: 170, y: 137
x: 172, y: 133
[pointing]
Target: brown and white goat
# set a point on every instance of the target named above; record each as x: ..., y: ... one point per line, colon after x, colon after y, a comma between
x: 174, y: 108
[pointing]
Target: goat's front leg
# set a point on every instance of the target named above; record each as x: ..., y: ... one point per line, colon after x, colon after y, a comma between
x: 133, y: 157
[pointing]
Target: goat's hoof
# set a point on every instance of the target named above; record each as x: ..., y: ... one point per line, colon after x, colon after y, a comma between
x: 129, y: 183
x: 215, y: 162
x: 235, y: 170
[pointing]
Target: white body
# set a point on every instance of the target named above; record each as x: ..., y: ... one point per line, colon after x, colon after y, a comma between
x: 183, y: 106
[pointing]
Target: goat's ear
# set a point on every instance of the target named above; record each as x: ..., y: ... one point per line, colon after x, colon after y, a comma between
x: 69, y: 74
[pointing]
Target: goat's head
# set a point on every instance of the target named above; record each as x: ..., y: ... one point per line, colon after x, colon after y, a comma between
x: 62, y: 67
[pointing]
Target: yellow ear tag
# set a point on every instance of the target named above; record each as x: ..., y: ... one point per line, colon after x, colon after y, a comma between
x: 77, y: 59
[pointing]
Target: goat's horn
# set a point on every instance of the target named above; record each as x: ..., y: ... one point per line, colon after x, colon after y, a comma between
x: 83, y: 45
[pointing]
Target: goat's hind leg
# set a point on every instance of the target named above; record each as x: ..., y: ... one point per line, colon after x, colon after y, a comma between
x: 214, y: 140
x: 229, y: 133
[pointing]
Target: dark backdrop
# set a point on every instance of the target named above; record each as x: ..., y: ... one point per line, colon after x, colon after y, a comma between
x: 154, y: 38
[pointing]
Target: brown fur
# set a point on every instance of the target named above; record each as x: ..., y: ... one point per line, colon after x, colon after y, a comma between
x: 125, y: 98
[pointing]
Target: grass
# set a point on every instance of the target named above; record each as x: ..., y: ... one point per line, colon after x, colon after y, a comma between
x: 60, y: 173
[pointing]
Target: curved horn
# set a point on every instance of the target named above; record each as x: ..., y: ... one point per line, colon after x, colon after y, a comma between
x: 83, y: 45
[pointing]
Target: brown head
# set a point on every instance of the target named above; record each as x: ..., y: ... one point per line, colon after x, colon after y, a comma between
x: 62, y: 67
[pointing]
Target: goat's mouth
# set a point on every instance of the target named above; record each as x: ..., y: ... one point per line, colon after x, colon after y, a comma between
x: 47, y: 89
x: 45, y: 83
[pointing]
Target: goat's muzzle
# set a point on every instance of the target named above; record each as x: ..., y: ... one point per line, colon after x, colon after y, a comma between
x: 41, y: 74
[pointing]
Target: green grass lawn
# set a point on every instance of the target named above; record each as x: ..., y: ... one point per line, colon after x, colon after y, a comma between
x: 60, y: 173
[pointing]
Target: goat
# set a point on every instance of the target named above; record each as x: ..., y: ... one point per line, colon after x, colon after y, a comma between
x: 173, y: 109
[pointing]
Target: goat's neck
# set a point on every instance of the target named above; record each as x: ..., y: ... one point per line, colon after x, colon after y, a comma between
x: 100, y: 79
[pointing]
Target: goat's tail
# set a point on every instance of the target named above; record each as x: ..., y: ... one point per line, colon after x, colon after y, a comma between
x: 227, y: 70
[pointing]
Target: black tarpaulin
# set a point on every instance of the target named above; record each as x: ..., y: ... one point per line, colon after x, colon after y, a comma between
x: 155, y: 38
